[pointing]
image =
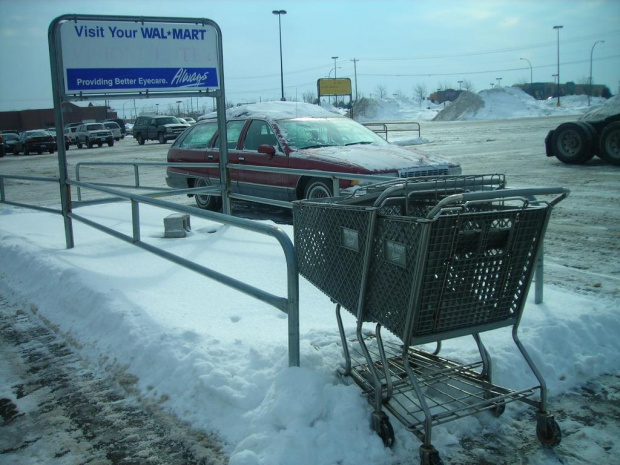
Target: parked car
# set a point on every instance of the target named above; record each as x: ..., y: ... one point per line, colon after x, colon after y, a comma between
x: 90, y: 134
x: 115, y: 128
x: 70, y: 137
x: 189, y: 120
x: 52, y: 131
x: 37, y: 140
x: 161, y: 128
x: 7, y: 141
x: 121, y: 124
x: 291, y: 135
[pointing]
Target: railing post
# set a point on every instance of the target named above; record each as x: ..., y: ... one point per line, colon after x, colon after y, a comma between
x: 135, y: 220
x: 136, y: 175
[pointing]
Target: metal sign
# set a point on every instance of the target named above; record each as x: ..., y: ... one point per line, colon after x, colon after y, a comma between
x: 340, y: 86
x: 145, y: 55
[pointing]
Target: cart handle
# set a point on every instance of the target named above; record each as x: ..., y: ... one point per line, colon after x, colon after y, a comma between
x: 527, y: 193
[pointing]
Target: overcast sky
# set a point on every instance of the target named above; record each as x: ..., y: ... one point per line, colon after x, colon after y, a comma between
x: 398, y: 44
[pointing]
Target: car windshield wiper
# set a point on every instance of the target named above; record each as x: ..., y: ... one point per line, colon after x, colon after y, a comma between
x: 365, y: 142
x: 317, y: 146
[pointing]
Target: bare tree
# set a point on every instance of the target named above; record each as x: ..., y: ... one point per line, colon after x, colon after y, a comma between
x: 468, y: 85
x: 309, y: 97
x: 381, y: 90
x: 419, y: 92
x: 399, y: 94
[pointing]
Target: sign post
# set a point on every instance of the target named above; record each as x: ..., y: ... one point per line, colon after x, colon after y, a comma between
x: 96, y: 57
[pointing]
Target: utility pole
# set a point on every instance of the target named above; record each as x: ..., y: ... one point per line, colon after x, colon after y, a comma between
x: 355, y: 60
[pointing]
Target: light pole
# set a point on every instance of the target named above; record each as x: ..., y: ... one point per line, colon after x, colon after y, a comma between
x: 124, y: 114
x: 157, y: 108
x: 280, y: 13
x: 531, y: 73
x: 591, y: 53
x: 179, y: 107
x: 330, y: 72
x: 460, y: 82
x: 334, y: 58
x: 499, y: 82
x: 558, y: 29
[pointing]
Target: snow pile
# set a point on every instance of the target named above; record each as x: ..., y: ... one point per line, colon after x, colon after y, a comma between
x: 465, y: 107
x: 504, y: 102
x: 609, y: 108
x: 367, y: 110
x: 218, y: 358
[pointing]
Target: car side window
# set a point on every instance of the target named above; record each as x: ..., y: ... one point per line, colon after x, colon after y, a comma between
x: 233, y: 130
x: 259, y: 133
x: 198, y: 137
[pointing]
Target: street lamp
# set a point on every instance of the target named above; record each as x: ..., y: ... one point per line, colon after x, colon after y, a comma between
x: 330, y: 72
x: 334, y: 58
x: 280, y: 13
x: 157, y: 108
x: 531, y: 73
x: 558, y: 29
x: 591, y: 52
x: 460, y: 82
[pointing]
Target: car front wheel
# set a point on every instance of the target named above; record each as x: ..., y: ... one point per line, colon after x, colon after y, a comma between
x: 140, y: 139
x: 317, y: 189
x: 162, y: 139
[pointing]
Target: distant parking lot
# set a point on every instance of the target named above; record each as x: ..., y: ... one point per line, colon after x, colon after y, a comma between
x: 582, y: 243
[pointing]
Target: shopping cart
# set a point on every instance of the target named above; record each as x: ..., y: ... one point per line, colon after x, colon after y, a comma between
x: 429, y: 260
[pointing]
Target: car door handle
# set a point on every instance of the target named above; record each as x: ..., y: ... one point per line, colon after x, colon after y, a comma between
x: 241, y: 158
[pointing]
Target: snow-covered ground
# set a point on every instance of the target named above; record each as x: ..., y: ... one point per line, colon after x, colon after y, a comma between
x: 218, y: 358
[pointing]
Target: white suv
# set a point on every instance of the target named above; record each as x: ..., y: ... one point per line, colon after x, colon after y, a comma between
x: 90, y: 134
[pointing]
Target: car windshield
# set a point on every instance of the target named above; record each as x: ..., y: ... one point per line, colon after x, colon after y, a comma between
x: 37, y: 134
x: 168, y: 120
x: 304, y: 133
x: 94, y: 127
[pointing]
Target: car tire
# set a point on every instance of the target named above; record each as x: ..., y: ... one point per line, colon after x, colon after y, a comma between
x: 79, y: 145
x: 161, y: 138
x: 572, y: 143
x: 100, y: 144
x: 110, y: 143
x: 52, y: 151
x: 610, y: 143
x: 140, y: 139
x: 15, y: 151
x: 207, y: 202
x: 89, y: 143
x: 317, y: 188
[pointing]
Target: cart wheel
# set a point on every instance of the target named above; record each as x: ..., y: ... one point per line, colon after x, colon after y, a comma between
x: 382, y: 426
x: 429, y: 456
x: 548, y: 431
x: 500, y: 405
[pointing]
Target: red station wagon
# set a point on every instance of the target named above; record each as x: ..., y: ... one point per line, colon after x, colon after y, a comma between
x: 291, y: 135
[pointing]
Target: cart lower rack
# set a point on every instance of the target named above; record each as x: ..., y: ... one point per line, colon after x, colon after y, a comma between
x: 429, y: 260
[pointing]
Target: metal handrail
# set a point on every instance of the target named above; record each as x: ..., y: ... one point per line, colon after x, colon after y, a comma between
x: 288, y: 305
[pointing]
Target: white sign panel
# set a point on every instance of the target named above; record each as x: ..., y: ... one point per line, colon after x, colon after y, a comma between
x: 108, y: 57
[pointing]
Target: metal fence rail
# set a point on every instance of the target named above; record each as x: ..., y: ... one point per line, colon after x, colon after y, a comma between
x: 384, y: 128
x: 288, y: 304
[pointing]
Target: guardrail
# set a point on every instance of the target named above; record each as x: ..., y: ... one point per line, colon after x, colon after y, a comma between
x: 385, y: 128
x: 288, y: 304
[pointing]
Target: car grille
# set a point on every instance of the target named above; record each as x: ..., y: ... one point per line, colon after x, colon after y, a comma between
x: 423, y: 172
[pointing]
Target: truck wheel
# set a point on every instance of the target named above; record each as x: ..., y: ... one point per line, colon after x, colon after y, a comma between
x: 610, y: 143
x: 89, y: 143
x: 140, y: 139
x: 162, y: 139
x: 572, y: 143
x: 110, y: 143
